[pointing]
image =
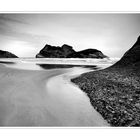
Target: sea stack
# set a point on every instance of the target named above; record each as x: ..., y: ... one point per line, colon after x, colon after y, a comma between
x: 88, y: 53
x: 55, y: 51
x: 67, y: 51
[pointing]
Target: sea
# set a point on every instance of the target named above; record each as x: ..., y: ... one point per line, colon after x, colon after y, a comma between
x: 57, y: 63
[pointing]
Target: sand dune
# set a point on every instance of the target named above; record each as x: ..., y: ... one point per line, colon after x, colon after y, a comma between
x: 44, y: 98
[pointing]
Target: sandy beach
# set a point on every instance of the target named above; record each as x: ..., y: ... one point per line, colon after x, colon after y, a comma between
x: 44, y: 98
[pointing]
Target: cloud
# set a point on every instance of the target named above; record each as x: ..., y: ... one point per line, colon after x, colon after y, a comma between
x: 23, y: 36
x: 9, y: 18
x: 17, y: 29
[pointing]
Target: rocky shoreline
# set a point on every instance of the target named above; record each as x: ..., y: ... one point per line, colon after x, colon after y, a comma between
x: 115, y: 91
x: 114, y: 94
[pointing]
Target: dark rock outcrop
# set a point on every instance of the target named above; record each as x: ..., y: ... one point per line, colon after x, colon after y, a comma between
x: 55, y: 52
x: 6, y: 54
x: 115, y: 91
x: 67, y: 51
x: 131, y: 57
x: 88, y: 53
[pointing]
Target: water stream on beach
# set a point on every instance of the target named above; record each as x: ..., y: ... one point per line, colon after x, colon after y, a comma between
x: 61, y: 103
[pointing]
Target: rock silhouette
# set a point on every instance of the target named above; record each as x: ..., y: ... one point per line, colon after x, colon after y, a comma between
x: 6, y: 54
x: 55, y: 52
x: 131, y: 57
x: 67, y: 51
x: 88, y: 53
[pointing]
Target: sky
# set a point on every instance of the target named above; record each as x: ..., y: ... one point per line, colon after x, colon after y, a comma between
x: 25, y: 34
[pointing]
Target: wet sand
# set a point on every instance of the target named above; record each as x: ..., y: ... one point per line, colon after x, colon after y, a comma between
x: 44, y: 98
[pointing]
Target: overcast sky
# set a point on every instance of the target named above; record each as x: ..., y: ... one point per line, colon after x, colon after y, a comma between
x: 26, y: 34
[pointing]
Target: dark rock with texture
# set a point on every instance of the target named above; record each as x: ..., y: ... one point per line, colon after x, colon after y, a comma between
x: 115, y: 91
x: 67, y: 51
x: 131, y: 57
x: 55, y: 52
x: 6, y: 54
x: 88, y: 53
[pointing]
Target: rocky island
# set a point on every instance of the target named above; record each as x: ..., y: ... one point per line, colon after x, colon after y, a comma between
x: 67, y: 51
x: 115, y: 91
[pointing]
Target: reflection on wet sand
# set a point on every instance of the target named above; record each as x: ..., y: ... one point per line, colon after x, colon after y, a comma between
x: 56, y: 66
x: 39, y: 97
